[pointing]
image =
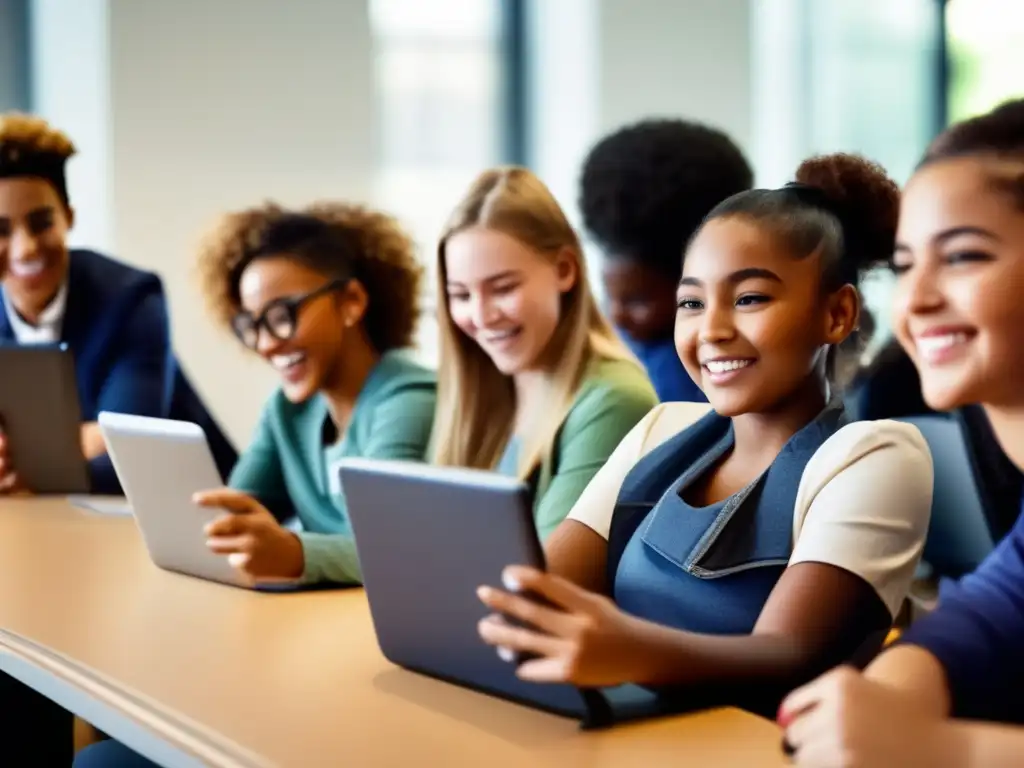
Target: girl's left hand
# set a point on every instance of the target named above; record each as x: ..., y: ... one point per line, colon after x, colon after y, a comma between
x: 581, y: 638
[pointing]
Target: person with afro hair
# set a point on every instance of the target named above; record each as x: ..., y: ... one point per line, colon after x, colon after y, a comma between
x: 644, y: 190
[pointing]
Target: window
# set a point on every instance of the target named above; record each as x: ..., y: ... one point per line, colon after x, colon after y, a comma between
x: 440, y: 77
x: 986, y: 57
x: 871, y: 75
x: 873, y: 88
x: 15, y: 65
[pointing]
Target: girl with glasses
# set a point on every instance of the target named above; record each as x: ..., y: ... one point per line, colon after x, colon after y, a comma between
x: 329, y: 298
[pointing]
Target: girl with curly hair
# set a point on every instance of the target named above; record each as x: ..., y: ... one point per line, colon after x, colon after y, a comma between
x: 329, y: 297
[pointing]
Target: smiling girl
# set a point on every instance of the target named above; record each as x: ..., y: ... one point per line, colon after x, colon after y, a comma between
x: 770, y: 540
x: 533, y: 382
x: 329, y: 298
x: 959, y: 259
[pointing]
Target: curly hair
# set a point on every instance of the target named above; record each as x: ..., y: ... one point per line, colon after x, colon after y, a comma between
x: 646, y: 188
x: 333, y: 238
x: 866, y: 200
x: 31, y: 147
x: 33, y: 134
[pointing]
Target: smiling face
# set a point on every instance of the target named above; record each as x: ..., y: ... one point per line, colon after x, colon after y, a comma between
x: 311, y: 318
x: 505, y: 296
x: 960, y: 264
x: 753, y: 325
x: 34, y: 223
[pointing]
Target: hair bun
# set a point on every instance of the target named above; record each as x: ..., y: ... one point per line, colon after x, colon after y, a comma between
x: 866, y: 197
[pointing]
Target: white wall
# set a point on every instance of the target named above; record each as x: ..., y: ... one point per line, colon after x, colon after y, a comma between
x: 71, y: 88
x: 184, y: 109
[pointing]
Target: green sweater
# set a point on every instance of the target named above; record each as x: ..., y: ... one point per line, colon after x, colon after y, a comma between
x: 614, y: 396
x: 291, y: 471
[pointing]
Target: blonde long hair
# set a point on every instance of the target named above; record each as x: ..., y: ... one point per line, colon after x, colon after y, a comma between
x: 476, y: 403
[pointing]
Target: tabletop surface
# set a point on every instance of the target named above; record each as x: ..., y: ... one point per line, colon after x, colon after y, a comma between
x: 285, y: 679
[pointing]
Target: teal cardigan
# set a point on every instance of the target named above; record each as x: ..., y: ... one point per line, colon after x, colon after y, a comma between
x: 291, y: 471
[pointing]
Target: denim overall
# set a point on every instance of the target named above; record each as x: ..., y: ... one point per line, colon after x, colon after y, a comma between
x: 707, y: 569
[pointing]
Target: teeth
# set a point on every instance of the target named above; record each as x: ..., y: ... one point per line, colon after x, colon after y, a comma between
x: 281, y: 362
x: 27, y: 268
x: 928, y: 345
x: 502, y: 335
x: 721, y: 366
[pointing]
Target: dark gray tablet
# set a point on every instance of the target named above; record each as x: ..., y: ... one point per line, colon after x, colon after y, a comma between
x: 41, y: 417
x: 427, y: 537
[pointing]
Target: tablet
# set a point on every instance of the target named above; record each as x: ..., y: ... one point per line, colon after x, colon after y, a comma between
x: 427, y: 537
x: 41, y: 416
x: 161, y: 463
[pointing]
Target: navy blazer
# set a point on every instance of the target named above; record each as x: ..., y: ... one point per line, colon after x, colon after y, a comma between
x: 116, y: 326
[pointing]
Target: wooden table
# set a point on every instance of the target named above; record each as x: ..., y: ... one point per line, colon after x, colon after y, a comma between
x: 196, y: 673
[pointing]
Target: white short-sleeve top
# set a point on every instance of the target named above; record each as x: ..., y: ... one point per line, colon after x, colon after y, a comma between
x: 863, y: 504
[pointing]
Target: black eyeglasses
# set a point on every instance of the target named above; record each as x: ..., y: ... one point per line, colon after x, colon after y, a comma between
x: 280, y: 317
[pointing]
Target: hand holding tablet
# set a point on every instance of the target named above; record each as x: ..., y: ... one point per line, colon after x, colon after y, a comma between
x: 251, y: 538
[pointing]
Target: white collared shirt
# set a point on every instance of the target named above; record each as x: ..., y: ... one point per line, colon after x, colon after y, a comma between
x: 51, y: 320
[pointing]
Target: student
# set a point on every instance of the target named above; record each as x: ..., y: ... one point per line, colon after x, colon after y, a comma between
x: 644, y: 191
x: 768, y: 541
x: 960, y: 265
x: 533, y: 381
x: 330, y: 298
x: 113, y: 317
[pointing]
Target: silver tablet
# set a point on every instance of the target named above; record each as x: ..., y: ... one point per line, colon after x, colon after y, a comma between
x: 41, y: 416
x: 161, y: 463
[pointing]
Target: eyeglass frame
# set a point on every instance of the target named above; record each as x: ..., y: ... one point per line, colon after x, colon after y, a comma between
x: 292, y: 305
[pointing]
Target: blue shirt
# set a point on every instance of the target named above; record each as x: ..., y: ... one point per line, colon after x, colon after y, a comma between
x: 671, y: 381
x: 977, y: 634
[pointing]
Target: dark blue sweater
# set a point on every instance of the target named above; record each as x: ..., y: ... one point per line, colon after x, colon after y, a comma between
x: 671, y: 381
x: 977, y: 634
